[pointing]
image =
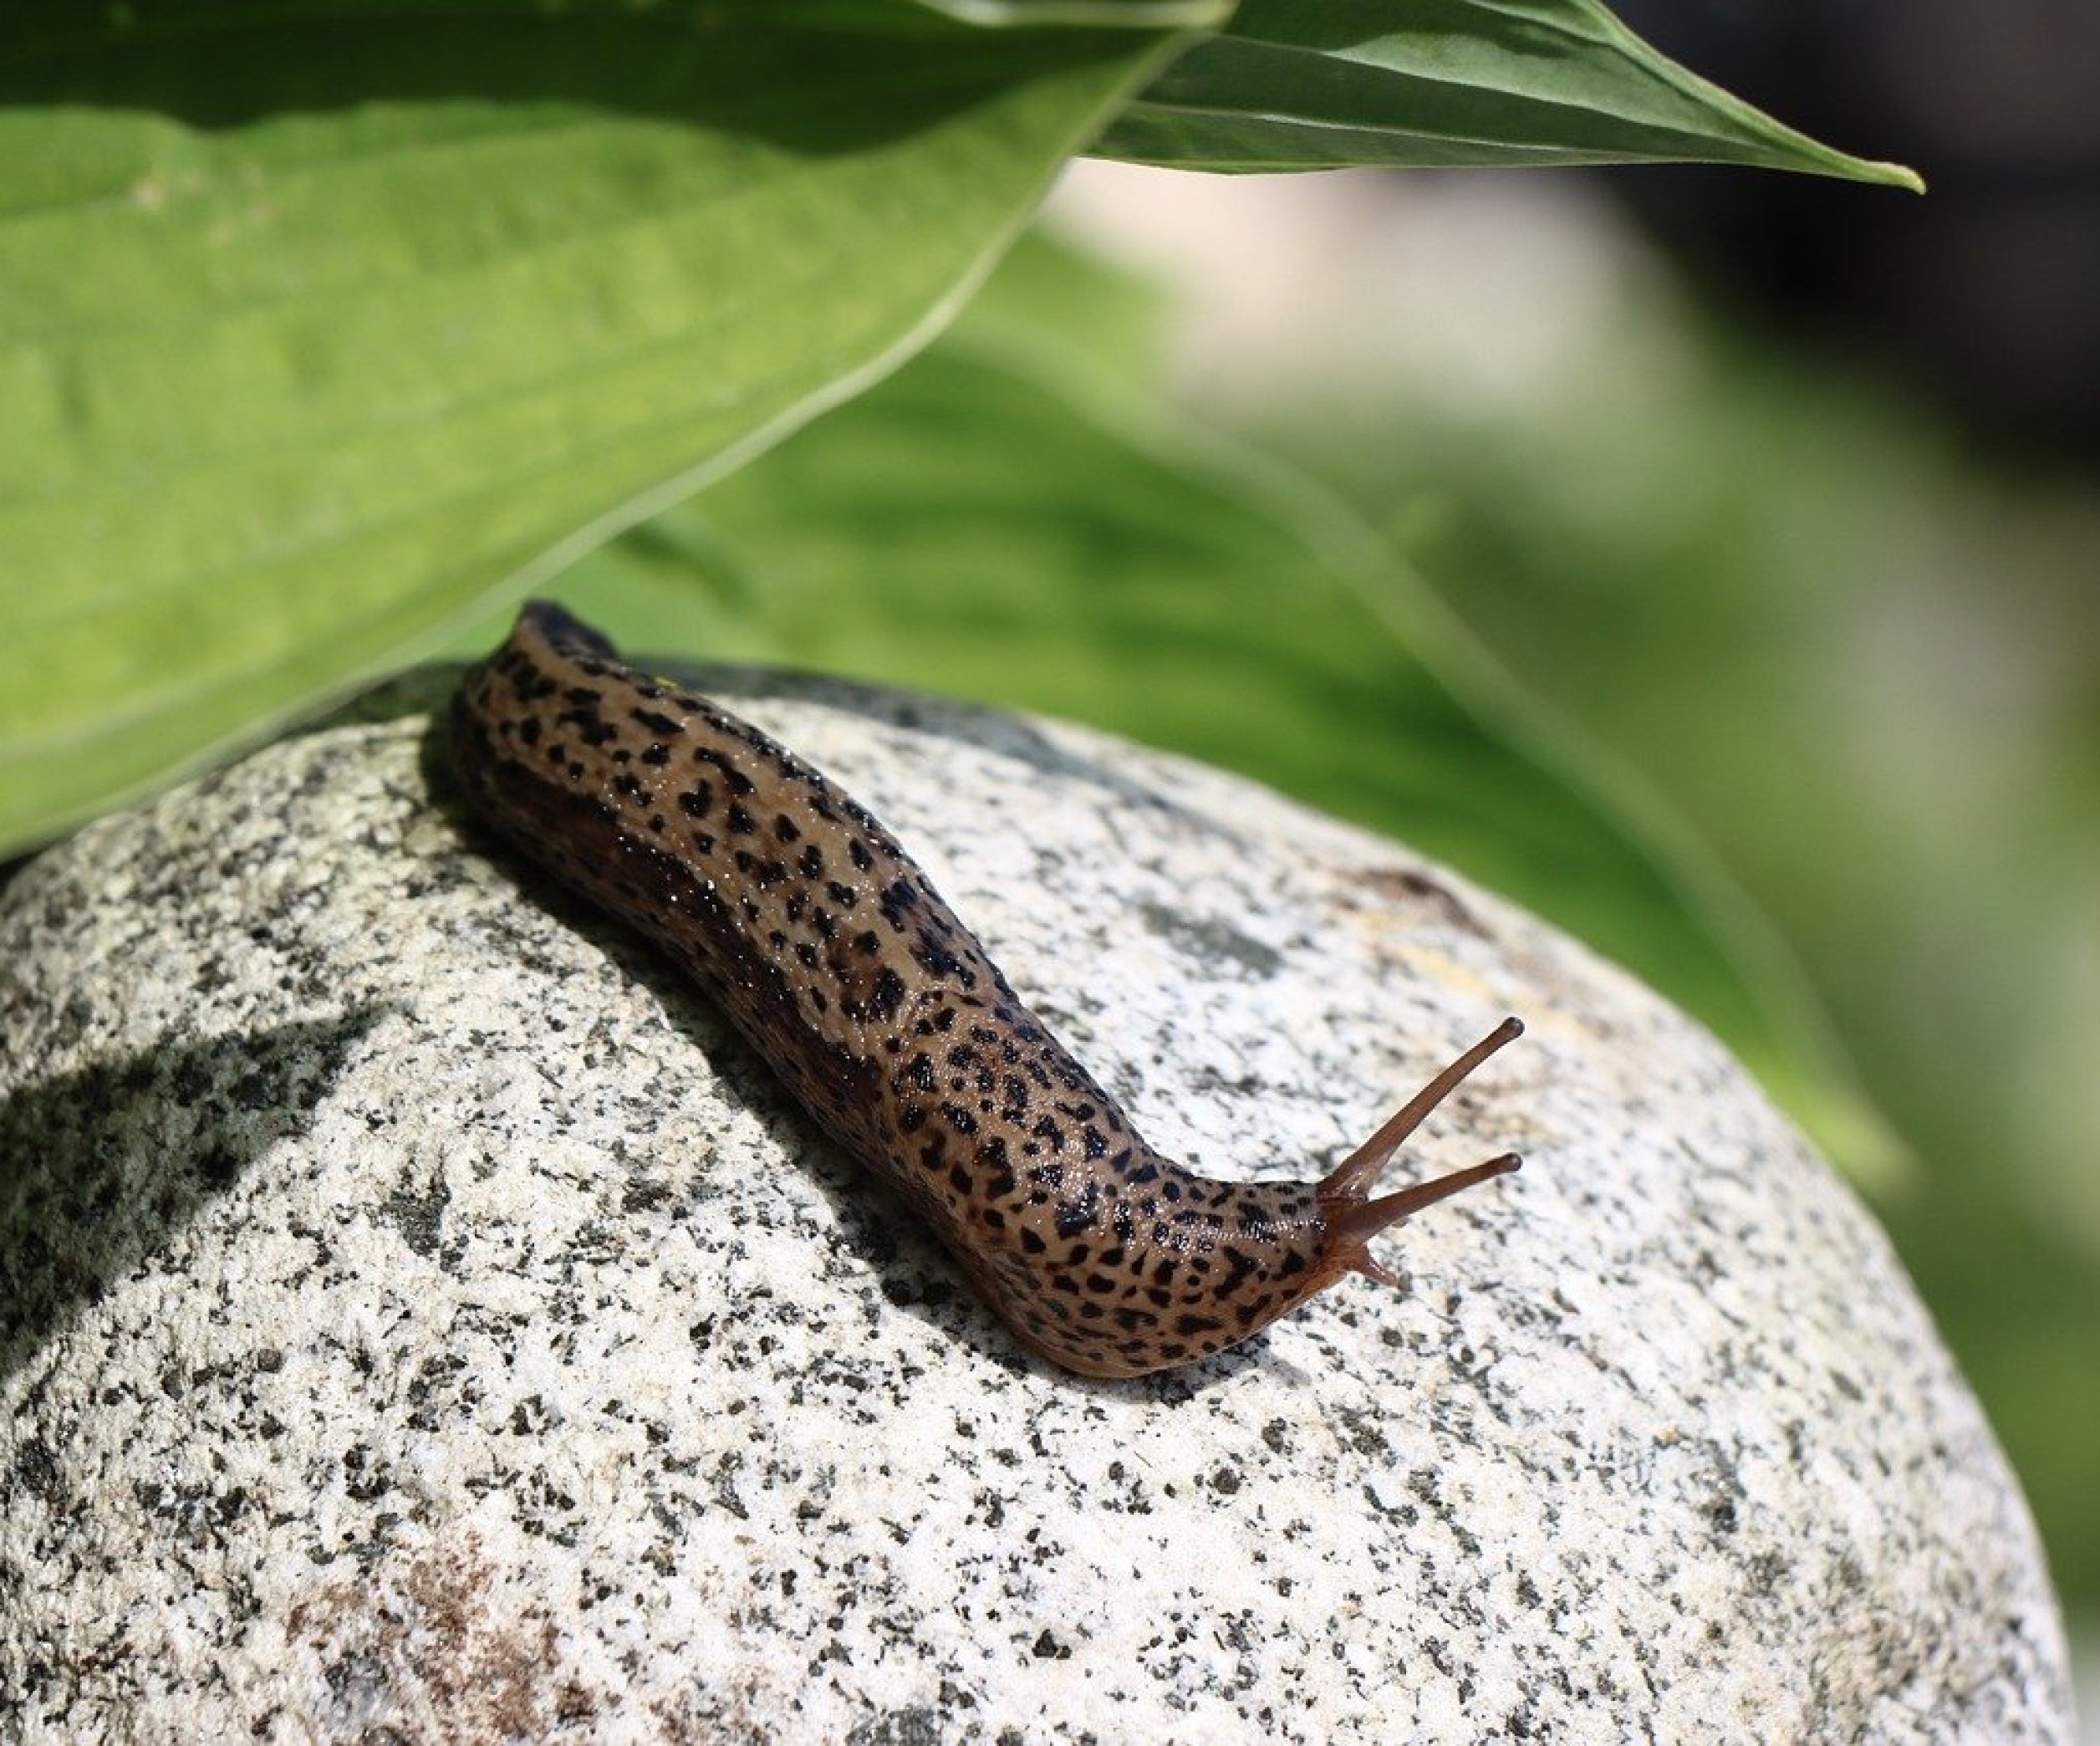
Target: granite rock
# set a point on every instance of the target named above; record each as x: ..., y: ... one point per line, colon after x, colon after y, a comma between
x: 421, y: 1319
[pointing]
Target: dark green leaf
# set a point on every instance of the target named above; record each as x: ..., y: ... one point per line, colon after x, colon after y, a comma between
x: 1146, y: 14
x: 1301, y: 85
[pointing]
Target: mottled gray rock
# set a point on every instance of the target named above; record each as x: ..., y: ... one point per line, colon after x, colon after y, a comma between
x: 420, y: 1314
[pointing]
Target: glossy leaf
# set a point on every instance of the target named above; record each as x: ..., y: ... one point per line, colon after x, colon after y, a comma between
x: 1299, y: 85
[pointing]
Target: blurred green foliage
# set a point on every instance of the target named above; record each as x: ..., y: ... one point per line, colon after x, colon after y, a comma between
x: 1018, y: 516
x: 1864, y: 661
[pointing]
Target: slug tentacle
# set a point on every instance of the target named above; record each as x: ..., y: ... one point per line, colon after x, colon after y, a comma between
x: 822, y: 940
x: 1353, y: 1218
x: 1352, y: 1227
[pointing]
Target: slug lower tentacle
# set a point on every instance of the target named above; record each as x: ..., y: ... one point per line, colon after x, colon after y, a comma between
x: 797, y: 912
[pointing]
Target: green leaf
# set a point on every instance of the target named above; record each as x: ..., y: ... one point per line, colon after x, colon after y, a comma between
x: 1149, y: 14
x: 969, y: 528
x: 321, y: 326
x: 39, y: 30
x: 1302, y: 84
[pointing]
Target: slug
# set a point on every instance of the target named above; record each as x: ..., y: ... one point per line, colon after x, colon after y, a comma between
x: 799, y: 913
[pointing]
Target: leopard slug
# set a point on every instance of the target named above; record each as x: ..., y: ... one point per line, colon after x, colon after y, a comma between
x: 801, y: 917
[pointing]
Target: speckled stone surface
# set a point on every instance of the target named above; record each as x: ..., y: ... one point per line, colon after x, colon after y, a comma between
x: 421, y: 1320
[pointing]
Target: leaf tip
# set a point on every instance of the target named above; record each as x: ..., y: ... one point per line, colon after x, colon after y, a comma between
x: 1887, y: 175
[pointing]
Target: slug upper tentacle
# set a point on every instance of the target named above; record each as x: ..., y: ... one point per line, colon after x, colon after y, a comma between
x: 803, y: 917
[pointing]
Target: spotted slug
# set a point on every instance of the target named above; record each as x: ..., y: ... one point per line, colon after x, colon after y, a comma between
x: 801, y: 916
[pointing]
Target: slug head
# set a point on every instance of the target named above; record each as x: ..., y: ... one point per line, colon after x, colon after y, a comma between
x: 1177, y: 1265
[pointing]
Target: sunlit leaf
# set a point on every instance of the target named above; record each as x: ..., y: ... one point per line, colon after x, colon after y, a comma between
x: 320, y: 325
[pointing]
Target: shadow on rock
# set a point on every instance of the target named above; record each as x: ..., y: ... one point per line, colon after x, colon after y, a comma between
x: 101, y: 1167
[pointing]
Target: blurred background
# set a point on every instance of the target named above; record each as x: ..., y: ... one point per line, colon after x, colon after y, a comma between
x: 1789, y: 493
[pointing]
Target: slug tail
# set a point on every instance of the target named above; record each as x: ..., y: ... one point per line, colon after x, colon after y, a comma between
x: 1353, y: 1217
